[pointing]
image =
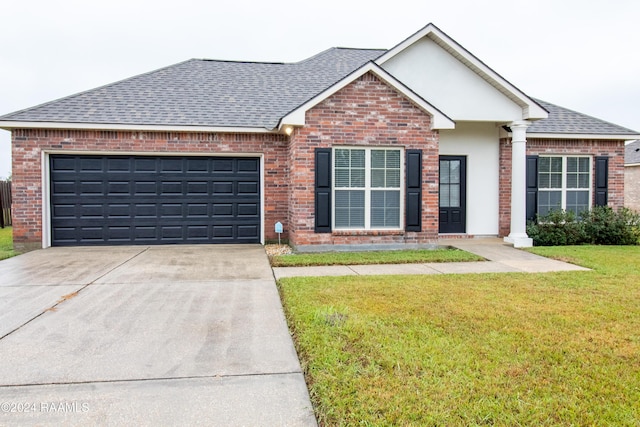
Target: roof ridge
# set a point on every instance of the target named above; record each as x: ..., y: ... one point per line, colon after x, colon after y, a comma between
x: 240, y: 61
x: 324, y: 52
x: 64, y: 98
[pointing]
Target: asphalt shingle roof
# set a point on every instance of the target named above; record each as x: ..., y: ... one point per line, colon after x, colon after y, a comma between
x: 201, y: 92
x: 564, y: 121
x: 213, y: 93
x: 632, y: 153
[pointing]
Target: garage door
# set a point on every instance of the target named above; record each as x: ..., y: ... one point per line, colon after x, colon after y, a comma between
x: 110, y: 200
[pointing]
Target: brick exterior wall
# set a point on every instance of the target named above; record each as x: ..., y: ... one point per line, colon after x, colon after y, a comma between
x: 366, y: 112
x: 613, y: 149
x: 28, y: 145
x: 632, y: 187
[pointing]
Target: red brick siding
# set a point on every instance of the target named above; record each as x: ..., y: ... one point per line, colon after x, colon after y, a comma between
x: 366, y: 112
x: 28, y: 145
x: 632, y: 187
x: 591, y: 147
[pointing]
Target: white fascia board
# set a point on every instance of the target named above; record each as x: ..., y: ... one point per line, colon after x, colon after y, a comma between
x: 581, y: 136
x: 9, y: 125
x: 530, y: 109
x: 439, y: 119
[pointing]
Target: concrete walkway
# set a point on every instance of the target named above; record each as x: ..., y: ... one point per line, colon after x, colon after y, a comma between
x: 501, y: 258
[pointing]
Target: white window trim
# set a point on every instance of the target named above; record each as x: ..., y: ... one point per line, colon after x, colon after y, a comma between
x: 367, y: 188
x: 564, y: 189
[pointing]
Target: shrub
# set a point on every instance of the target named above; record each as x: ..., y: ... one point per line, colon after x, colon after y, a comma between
x: 600, y: 226
x: 557, y: 228
x: 604, y: 226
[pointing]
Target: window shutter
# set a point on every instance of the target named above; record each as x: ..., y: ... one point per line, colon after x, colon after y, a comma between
x: 532, y: 187
x: 413, y: 220
x: 323, y: 190
x: 602, y: 181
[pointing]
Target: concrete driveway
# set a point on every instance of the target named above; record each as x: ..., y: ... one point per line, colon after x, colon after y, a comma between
x: 161, y: 335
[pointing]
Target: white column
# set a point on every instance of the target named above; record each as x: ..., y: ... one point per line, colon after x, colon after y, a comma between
x: 518, y: 235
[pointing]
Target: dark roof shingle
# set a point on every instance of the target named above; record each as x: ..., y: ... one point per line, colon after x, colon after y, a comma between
x: 564, y: 121
x: 202, y: 92
x: 632, y: 153
x: 213, y: 93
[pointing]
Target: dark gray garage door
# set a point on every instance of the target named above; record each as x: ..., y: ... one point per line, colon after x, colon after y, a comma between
x: 110, y: 200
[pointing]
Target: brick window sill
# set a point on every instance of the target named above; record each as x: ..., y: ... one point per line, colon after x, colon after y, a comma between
x: 368, y: 233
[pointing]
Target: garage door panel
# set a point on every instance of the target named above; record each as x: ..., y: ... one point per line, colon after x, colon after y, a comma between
x: 154, y: 200
x: 247, y: 231
x: 64, y: 164
x: 248, y: 187
x: 117, y: 164
x: 141, y: 165
x: 248, y: 209
x: 171, y: 165
x: 119, y: 188
x: 222, y: 188
x: 92, y: 188
x: 171, y: 188
x: 145, y: 187
x: 222, y: 165
x: 171, y: 210
x: 197, y: 188
x: 64, y: 187
x: 90, y: 211
x: 119, y: 210
x: 197, y: 165
x: 248, y: 165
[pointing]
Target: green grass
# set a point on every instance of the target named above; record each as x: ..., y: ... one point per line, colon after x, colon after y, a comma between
x: 6, y: 243
x: 373, y: 257
x: 480, y: 349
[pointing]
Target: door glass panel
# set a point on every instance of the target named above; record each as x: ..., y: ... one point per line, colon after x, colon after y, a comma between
x: 450, y: 183
x: 454, y: 196
x: 454, y: 172
x: 444, y: 171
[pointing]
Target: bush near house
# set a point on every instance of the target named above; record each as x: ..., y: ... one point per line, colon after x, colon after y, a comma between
x: 599, y: 226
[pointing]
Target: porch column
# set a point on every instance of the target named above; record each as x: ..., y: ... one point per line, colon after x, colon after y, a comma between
x: 518, y: 235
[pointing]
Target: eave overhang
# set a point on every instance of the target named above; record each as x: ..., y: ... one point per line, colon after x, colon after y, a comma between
x: 9, y: 125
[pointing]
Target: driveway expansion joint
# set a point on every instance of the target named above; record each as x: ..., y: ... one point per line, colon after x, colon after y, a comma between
x: 134, y: 380
x: 67, y: 297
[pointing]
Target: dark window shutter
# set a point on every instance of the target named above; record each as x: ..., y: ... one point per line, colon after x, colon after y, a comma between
x: 413, y: 220
x: 532, y: 187
x: 602, y: 181
x: 323, y: 190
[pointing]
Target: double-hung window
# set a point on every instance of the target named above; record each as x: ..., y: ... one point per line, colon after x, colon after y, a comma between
x: 564, y: 182
x: 367, y: 183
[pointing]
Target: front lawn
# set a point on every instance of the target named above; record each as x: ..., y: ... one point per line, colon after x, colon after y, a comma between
x: 373, y: 257
x: 478, y: 349
x: 6, y: 243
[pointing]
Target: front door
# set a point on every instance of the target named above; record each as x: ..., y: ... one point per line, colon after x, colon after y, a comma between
x: 453, y: 179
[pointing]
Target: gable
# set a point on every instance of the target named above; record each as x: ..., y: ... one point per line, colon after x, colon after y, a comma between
x: 441, y: 78
x: 439, y: 120
x: 370, y: 107
x: 437, y: 68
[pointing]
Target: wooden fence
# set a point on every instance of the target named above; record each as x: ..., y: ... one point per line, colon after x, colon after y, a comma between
x: 5, y: 203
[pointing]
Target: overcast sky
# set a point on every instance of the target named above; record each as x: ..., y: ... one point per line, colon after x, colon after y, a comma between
x: 583, y: 55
